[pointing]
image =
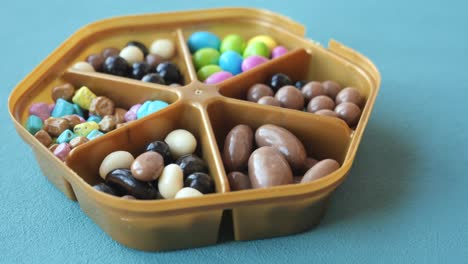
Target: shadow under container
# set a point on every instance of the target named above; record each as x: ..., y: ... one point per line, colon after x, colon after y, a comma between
x: 209, y: 112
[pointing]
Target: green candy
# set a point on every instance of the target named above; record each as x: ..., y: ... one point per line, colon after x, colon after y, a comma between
x: 233, y: 42
x: 207, y: 71
x: 205, y: 56
x: 33, y: 124
x: 257, y: 48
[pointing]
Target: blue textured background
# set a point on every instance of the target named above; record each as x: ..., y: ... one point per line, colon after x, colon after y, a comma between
x: 406, y: 200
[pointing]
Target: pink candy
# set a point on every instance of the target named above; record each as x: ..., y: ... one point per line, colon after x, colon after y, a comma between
x: 62, y: 151
x: 278, y: 51
x: 51, y: 107
x: 41, y: 110
x: 132, y: 113
x: 218, y: 77
x: 252, y: 62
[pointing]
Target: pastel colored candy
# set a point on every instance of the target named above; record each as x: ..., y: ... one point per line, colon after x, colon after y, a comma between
x: 94, y: 134
x: 62, y: 150
x: 51, y: 107
x: 278, y: 51
x: 150, y: 107
x: 203, y: 39
x: 231, y: 61
x: 143, y: 110
x: 218, y: 77
x: 66, y: 136
x: 41, y: 110
x: 34, y: 124
x: 78, y: 110
x: 85, y: 128
x: 83, y: 97
x: 205, y: 56
x: 62, y: 108
x: 256, y: 48
x: 267, y: 40
x: 207, y: 71
x: 94, y: 118
x: 233, y: 42
x: 252, y: 62
x: 132, y: 113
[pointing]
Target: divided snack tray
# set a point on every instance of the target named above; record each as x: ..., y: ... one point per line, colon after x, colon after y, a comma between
x: 209, y: 112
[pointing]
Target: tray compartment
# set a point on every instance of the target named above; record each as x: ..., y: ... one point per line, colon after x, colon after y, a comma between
x: 282, y: 214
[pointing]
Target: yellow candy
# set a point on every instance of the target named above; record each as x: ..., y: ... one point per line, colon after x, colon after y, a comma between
x: 269, y: 41
x: 85, y: 128
x: 83, y: 97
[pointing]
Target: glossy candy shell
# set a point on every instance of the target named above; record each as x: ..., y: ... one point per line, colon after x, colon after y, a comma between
x: 209, y: 112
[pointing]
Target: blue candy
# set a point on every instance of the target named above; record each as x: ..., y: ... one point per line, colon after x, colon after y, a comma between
x: 33, y: 124
x: 142, y: 111
x: 202, y: 39
x: 62, y: 108
x: 94, y: 118
x: 66, y: 136
x: 78, y: 110
x: 94, y: 134
x: 231, y: 61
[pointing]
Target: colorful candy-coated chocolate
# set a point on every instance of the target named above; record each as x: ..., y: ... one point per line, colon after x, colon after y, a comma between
x: 40, y: 109
x: 51, y: 107
x: 278, y: 51
x: 207, y: 71
x: 66, y: 136
x: 85, y: 128
x: 34, y: 124
x: 232, y: 42
x: 205, y: 56
x: 252, y: 62
x: 62, y: 150
x: 62, y: 108
x: 231, y: 61
x: 203, y: 39
x: 257, y: 48
x: 83, y: 97
x: 218, y: 77
x: 132, y: 113
x: 94, y: 118
x: 94, y: 134
x: 269, y: 41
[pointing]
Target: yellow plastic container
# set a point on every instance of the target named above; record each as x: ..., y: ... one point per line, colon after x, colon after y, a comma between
x: 207, y: 111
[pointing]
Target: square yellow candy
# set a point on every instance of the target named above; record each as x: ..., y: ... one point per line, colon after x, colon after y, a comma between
x: 85, y: 128
x: 83, y: 97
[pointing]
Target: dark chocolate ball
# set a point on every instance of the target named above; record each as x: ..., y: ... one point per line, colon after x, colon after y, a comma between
x: 102, y: 187
x: 139, y: 45
x: 153, y: 78
x: 116, y: 65
x: 124, y: 183
x: 200, y: 181
x: 300, y: 84
x: 170, y: 72
x: 191, y: 163
x: 279, y: 80
x: 139, y: 69
x: 162, y: 148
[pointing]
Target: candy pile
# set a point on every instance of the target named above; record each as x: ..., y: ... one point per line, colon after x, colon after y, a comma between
x: 153, y: 174
x: 137, y: 62
x: 326, y: 98
x: 217, y: 60
x: 279, y: 156
x: 79, y: 116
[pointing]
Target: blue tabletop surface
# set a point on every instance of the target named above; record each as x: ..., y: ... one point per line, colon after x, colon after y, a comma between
x: 405, y: 200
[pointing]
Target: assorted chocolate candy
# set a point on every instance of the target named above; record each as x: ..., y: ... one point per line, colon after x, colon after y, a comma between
x: 168, y: 169
x: 217, y: 60
x: 78, y: 116
x: 136, y: 61
x: 322, y: 98
x: 280, y: 158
